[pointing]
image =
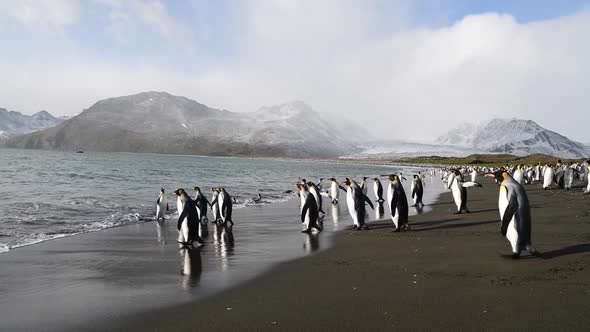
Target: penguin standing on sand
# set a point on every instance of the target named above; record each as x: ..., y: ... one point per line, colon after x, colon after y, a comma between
x: 518, y: 174
x: 364, y: 186
x: 356, y: 204
x: 188, y: 219
x: 161, y: 203
x: 224, y: 200
x: 335, y: 190
x: 459, y: 190
x: 587, y: 180
x: 417, y: 191
x: 548, y: 178
x: 473, y: 175
x: 215, y: 206
x: 515, y: 214
x: 378, y: 190
x: 309, y: 209
x: 538, y: 172
x: 398, y: 203
x: 315, y: 191
x: 202, y: 205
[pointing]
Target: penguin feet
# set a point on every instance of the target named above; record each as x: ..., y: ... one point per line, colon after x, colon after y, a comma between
x: 355, y: 227
x: 306, y: 231
x: 467, y: 211
x: 365, y: 227
x: 458, y: 212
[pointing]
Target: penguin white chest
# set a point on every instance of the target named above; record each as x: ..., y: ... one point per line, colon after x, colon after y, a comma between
x: 456, y: 194
x: 334, y: 191
x: 351, y: 209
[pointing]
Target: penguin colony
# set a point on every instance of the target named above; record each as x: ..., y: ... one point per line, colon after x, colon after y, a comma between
x: 513, y: 203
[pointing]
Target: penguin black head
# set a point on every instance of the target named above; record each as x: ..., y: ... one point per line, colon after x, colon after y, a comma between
x: 179, y: 192
x: 162, y: 190
x: 333, y: 179
x: 365, y: 178
x: 197, y: 188
x: 416, y: 176
x: 500, y: 175
x: 376, y: 179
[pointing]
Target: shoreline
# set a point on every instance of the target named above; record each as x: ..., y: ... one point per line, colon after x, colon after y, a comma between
x: 447, y: 274
x: 125, y: 263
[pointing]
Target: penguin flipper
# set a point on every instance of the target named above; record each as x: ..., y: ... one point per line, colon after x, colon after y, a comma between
x: 167, y: 207
x: 368, y: 200
x: 393, y: 205
x: 509, y: 213
x: 341, y: 187
x: 304, y: 210
x: 181, y: 218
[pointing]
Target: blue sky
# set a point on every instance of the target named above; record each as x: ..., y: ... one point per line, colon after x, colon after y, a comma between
x: 339, y: 56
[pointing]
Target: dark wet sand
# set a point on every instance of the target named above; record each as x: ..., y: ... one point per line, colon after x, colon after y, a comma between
x: 447, y: 274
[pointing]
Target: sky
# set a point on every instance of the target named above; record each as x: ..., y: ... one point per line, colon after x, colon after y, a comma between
x: 403, y: 69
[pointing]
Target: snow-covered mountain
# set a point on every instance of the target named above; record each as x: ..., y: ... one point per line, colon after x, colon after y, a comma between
x: 14, y: 123
x: 513, y: 136
x: 162, y: 123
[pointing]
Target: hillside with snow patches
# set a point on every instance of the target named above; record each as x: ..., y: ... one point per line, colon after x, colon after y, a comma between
x: 14, y: 123
x: 158, y: 122
x: 513, y: 136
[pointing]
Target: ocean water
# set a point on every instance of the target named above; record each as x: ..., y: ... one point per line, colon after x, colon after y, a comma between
x: 51, y: 194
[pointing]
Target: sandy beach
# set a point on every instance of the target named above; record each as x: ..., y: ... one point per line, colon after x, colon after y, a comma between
x: 447, y: 274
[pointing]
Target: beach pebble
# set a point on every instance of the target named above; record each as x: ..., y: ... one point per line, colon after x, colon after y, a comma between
x: 228, y: 308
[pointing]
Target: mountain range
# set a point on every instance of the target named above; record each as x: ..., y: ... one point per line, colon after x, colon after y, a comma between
x: 513, y: 136
x: 158, y: 122
x: 14, y: 123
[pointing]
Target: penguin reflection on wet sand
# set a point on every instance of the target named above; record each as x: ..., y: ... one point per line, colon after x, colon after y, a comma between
x: 311, y: 243
x: 188, y: 220
x: 161, y: 204
x: 515, y: 214
x: 356, y: 204
x: 398, y: 203
x: 192, y: 267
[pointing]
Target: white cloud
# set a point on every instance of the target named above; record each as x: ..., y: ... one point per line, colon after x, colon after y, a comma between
x: 403, y: 83
x: 125, y: 16
x: 44, y: 13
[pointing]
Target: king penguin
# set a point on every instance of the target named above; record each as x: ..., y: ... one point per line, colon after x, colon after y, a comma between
x: 378, y: 190
x: 215, y: 205
x: 356, y: 204
x: 315, y: 191
x: 161, y: 203
x: 417, y: 189
x: 224, y: 200
x: 459, y: 190
x: 309, y: 209
x: 587, y: 180
x: 202, y: 204
x: 515, y: 214
x: 334, y: 191
x: 398, y: 203
x: 364, y: 186
x: 518, y: 174
x: 188, y: 219
x: 548, y: 177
